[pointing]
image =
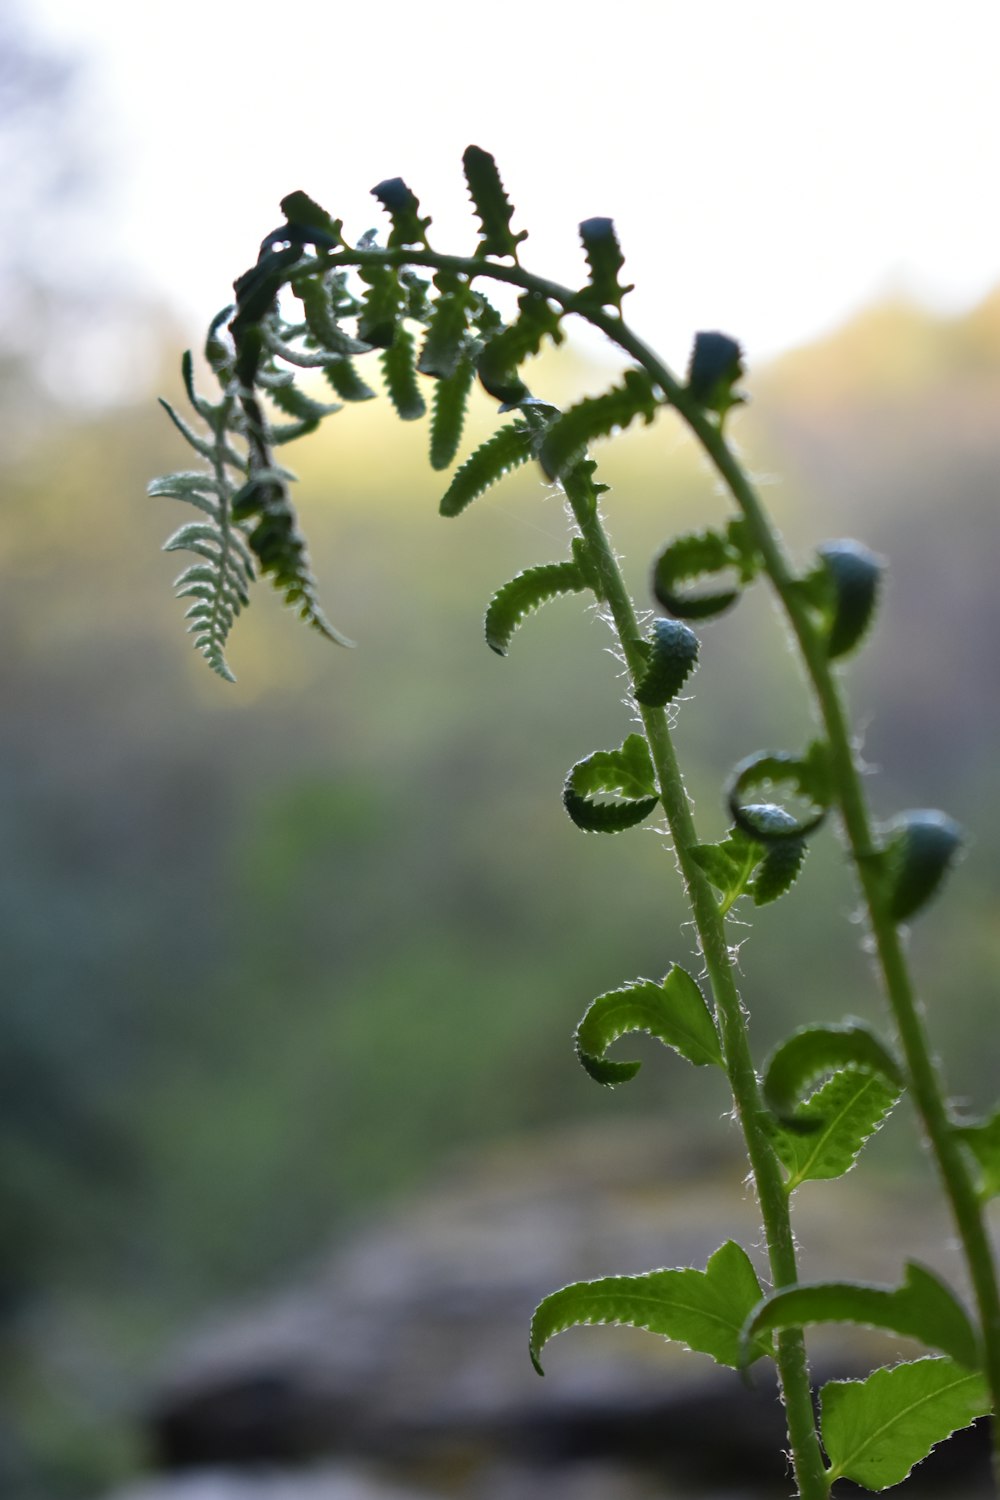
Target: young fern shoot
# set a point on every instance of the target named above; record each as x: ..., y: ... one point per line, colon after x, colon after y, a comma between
x: 314, y: 302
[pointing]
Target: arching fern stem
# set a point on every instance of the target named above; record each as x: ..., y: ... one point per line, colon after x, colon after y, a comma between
x: 791, y: 1356
x: 773, y: 1200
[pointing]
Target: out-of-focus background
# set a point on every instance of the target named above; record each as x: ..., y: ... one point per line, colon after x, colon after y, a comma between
x: 291, y: 968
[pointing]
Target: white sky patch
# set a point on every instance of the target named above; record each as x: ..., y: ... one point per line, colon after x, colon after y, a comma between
x: 770, y: 167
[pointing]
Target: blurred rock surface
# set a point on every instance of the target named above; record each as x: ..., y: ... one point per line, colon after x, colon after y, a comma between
x: 399, y: 1369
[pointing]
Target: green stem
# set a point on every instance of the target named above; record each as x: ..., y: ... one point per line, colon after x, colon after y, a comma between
x: 792, y: 1362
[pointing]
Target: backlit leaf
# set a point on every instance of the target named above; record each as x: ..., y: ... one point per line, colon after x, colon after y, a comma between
x: 850, y: 1106
x: 674, y: 1011
x: 798, y: 1063
x: 923, y: 1308
x: 626, y: 772
x: 727, y: 557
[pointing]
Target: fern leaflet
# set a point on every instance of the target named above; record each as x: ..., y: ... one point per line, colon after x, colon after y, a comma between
x: 626, y: 772
x: 605, y: 259
x: 507, y: 349
x: 403, y: 207
x: 491, y: 204
x: 507, y: 449
x: 451, y: 397
x: 446, y: 337
x: 378, y: 320
x: 528, y: 591
x: 346, y: 381
x: 398, y: 367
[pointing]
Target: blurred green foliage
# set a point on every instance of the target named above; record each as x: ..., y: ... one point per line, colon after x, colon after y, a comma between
x: 272, y: 951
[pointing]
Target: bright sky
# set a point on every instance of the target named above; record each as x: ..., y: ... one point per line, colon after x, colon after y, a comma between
x: 771, y: 166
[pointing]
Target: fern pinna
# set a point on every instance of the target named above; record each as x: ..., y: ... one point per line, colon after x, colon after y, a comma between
x: 317, y: 305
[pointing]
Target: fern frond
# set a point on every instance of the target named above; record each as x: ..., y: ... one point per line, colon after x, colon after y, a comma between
x: 491, y: 203
x: 398, y: 367
x: 568, y: 437
x: 528, y: 591
x: 289, y: 432
x: 605, y: 259
x: 219, y: 585
x: 403, y: 207
x: 507, y: 449
x: 211, y: 542
x: 451, y: 398
x: 778, y: 871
